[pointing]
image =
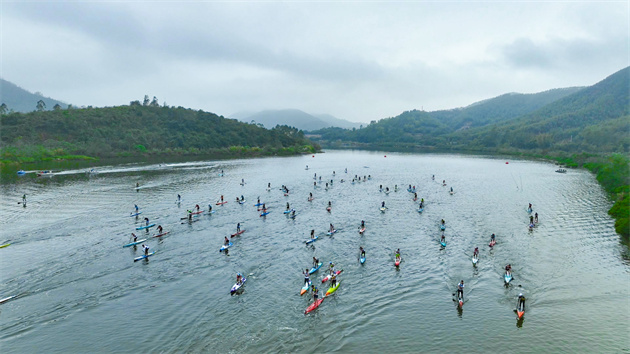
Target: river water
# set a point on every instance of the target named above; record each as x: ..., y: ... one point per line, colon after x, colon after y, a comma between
x: 79, y: 290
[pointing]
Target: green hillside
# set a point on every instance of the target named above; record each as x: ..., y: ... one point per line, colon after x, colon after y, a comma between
x: 138, y: 130
x: 18, y: 99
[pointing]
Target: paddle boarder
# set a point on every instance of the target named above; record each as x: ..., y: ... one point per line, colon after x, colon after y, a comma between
x: 159, y: 229
x: 135, y: 238
x: 288, y: 207
x: 135, y: 206
x: 460, y: 290
x: 310, y: 197
x: 210, y: 208
x: 508, y: 269
x: 398, y: 254
x: 521, y: 302
x: 362, y: 224
x: 415, y: 196
x: 531, y: 220
x: 331, y: 268
x: 146, y: 249
x: 179, y: 198
x: 333, y: 280
x: 197, y: 207
x: 226, y: 242
x: 492, y: 237
x: 536, y: 217
x: 315, y: 260
x: 476, y: 252
x: 221, y: 198
x: 315, y: 293
x: 307, y: 278
x: 362, y: 254
x: 238, y: 227
x: 329, y: 204
x: 239, y: 279
x: 383, y: 204
x: 293, y: 213
x: 422, y: 203
x: 24, y: 199
x: 443, y: 239
x: 332, y: 228
x: 146, y: 220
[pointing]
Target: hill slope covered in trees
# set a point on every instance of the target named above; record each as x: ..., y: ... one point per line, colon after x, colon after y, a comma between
x: 137, y: 129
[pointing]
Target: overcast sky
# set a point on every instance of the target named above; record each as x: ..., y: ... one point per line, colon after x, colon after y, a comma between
x: 355, y: 60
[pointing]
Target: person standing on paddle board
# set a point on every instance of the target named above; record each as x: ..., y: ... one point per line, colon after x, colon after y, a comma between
x: 415, y: 196
x: 239, y: 279
x: 433, y: 177
x: 531, y: 220
x: 521, y: 302
x: 238, y: 227
x: 189, y: 214
x: 362, y: 224
x: 492, y: 237
x: 383, y: 204
x: 209, y: 208
x: 226, y: 242
x: 197, y: 207
x: 136, y: 206
x: 460, y: 290
x: 135, y: 238
x: 508, y: 269
x: 293, y: 213
x: 443, y: 222
x: 146, y: 249
x: 221, y: 198
x: 332, y: 228
x: 329, y: 204
x: 331, y: 268
x: 476, y: 252
x: 362, y: 254
x: 159, y: 229
x: 310, y: 196
x: 536, y: 217
x: 333, y: 280
x: 451, y: 189
x: 443, y: 239
x: 146, y: 220
x: 288, y: 207
x: 179, y: 198
x: 315, y: 293
x: 269, y: 185
x: 397, y: 254
x: 307, y: 278
x: 315, y: 260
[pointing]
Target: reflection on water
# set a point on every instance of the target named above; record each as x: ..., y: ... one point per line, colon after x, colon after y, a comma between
x: 74, y: 279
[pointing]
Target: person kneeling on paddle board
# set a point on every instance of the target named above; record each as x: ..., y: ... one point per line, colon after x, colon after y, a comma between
x: 521, y: 302
x: 146, y: 249
x: 460, y: 290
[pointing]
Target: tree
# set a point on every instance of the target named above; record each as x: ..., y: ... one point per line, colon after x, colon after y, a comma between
x: 3, y: 109
x: 57, y: 107
x: 134, y: 103
x: 146, y: 101
x: 41, y: 105
x: 154, y: 102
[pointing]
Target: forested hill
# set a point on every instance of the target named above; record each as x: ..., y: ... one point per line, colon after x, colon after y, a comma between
x: 591, y: 119
x: 138, y: 129
x: 595, y: 119
x: 18, y: 99
x: 499, y: 109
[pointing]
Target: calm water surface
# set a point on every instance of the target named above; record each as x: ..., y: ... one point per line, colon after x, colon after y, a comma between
x: 78, y: 290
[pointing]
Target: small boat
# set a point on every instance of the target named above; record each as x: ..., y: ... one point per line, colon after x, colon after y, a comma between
x: 315, y: 269
x: 145, y: 227
x: 314, y: 305
x: 236, y: 287
x: 309, y: 241
x: 134, y: 243
x: 561, y: 170
x: 144, y: 256
x: 237, y: 233
x: 328, y: 276
x: 44, y: 173
x: 333, y: 289
x: 305, y: 287
x: 224, y: 247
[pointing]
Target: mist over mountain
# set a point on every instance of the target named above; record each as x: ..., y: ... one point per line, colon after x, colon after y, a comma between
x: 21, y: 100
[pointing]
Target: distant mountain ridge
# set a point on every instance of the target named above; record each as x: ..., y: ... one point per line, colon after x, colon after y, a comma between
x: 294, y: 118
x: 21, y: 100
